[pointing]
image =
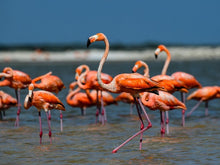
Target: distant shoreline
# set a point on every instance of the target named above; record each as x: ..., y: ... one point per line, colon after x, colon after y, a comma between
x: 177, y: 53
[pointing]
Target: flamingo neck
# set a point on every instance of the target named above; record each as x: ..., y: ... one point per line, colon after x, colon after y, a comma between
x: 146, y: 70
x: 167, y: 62
x: 41, y: 77
x: 109, y: 86
x: 71, y: 95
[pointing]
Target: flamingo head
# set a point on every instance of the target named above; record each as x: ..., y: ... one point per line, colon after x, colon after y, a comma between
x: 7, y: 72
x: 30, y: 91
x: 159, y: 49
x: 97, y: 37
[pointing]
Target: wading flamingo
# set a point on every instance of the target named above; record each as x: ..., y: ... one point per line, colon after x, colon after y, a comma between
x: 75, y: 98
x: 42, y: 100
x: 18, y: 80
x: 50, y: 83
x: 132, y: 83
x: 168, y: 82
x: 88, y: 80
x: 163, y: 102
x: 188, y: 80
x: 126, y: 98
x: 6, y: 101
x: 204, y: 94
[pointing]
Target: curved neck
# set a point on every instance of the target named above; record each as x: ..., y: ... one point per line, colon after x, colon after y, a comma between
x: 101, y: 63
x: 82, y: 78
x: 71, y: 94
x: 167, y: 62
x: 40, y: 77
x: 146, y: 70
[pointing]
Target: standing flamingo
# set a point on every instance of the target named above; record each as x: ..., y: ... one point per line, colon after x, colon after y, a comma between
x: 126, y: 98
x: 75, y: 98
x: 132, y: 83
x: 188, y: 80
x: 42, y: 100
x: 88, y: 80
x: 18, y: 80
x: 168, y: 82
x: 163, y: 102
x: 6, y: 101
x: 50, y: 83
x: 204, y: 94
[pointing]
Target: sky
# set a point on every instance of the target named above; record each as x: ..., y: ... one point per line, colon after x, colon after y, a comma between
x: 124, y: 22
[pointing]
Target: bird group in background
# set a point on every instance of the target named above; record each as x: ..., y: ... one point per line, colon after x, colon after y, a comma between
x: 94, y: 88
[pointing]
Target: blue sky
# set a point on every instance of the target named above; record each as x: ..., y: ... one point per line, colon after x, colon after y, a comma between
x: 133, y: 22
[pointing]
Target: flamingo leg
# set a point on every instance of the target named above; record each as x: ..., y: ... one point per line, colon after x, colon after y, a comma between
x: 61, y: 121
x: 183, y: 111
x: 206, y: 108
x: 17, y: 93
x: 103, y: 113
x: 167, y: 122
x: 139, y: 132
x: 131, y: 108
x: 162, y: 119
x: 98, y: 107
x: 83, y: 111
x: 1, y: 115
x: 49, y: 126
x: 41, y: 131
x: 194, y: 108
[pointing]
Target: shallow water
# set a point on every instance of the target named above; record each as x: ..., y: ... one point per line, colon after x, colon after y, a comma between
x: 84, y: 142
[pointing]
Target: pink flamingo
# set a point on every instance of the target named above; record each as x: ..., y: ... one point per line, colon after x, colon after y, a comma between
x: 133, y: 83
x: 42, y: 100
x: 188, y: 80
x: 18, y: 80
x: 204, y: 94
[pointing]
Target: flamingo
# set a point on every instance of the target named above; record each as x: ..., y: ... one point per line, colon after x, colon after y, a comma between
x: 163, y: 102
x: 204, y: 94
x: 126, y: 98
x: 18, y: 80
x: 132, y: 83
x: 168, y: 82
x: 42, y: 100
x: 75, y: 98
x: 187, y: 79
x: 6, y: 101
x: 88, y: 80
x: 50, y: 83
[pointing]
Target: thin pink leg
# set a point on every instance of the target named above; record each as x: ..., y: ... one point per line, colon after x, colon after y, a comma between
x: 183, y: 111
x: 49, y: 126
x: 17, y: 92
x: 139, y: 132
x: 162, y: 123
x: 167, y: 122
x: 206, y: 108
x: 103, y: 113
x: 41, y: 132
x: 61, y: 121
x: 194, y: 108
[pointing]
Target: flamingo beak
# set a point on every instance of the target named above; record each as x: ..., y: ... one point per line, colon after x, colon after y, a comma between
x: 88, y: 43
x: 155, y: 56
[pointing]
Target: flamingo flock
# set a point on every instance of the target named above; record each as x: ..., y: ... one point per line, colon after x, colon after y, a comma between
x: 95, y: 88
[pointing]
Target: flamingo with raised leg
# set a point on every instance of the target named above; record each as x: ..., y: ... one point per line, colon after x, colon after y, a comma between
x: 204, y: 94
x: 18, y: 80
x: 43, y: 100
x: 132, y: 83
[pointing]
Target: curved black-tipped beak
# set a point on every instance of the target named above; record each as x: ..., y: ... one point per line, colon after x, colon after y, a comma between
x: 30, y: 99
x: 133, y: 71
x: 155, y: 56
x: 88, y: 43
x: 155, y: 92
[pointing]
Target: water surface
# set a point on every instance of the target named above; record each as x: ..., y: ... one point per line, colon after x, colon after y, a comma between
x: 84, y: 142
